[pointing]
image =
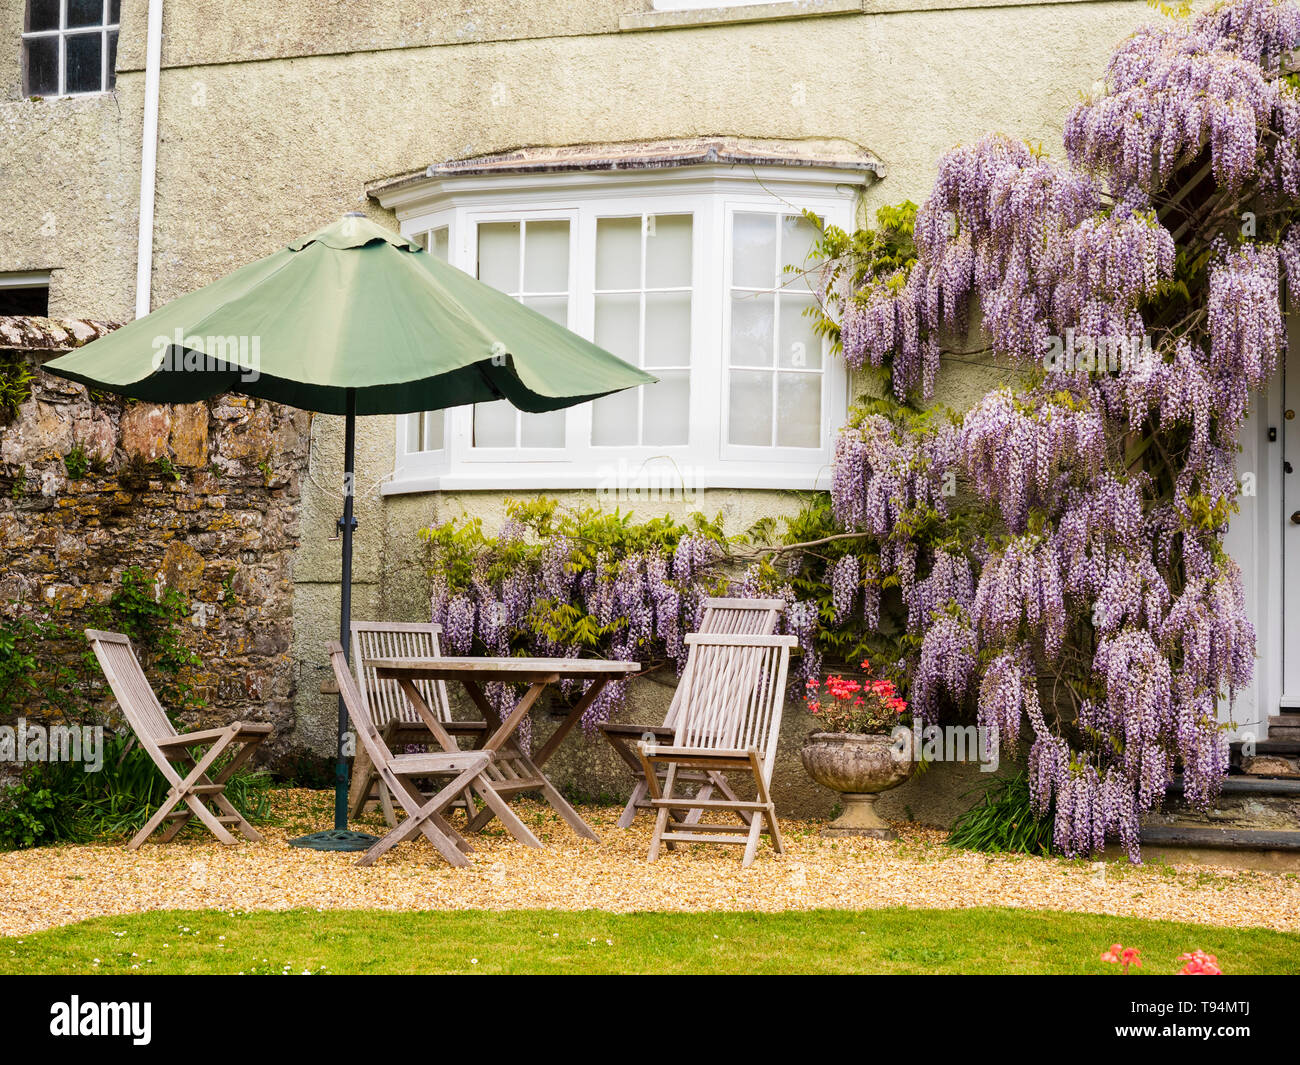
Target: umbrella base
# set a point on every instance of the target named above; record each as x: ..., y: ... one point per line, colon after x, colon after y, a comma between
x: 336, y: 839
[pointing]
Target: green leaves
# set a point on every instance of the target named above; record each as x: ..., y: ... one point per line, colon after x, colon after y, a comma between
x: 1004, y: 821
x: 16, y: 379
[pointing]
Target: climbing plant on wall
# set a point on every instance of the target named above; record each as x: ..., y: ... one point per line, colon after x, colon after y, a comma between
x: 1052, y: 558
x: 1135, y: 289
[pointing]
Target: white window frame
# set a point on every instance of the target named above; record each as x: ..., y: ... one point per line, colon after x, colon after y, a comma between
x: 64, y: 30
x: 28, y: 279
x: 712, y: 194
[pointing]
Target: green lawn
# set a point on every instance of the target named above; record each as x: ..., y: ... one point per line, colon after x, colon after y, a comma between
x: 531, y: 941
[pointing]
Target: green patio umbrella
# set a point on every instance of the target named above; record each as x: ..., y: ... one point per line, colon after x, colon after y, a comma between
x: 353, y: 319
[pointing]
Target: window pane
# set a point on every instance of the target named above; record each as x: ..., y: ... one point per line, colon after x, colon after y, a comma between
x: 753, y: 250
x: 668, y: 409
x: 542, y: 430
x: 41, y: 57
x: 798, y: 410
x: 615, y: 419
x: 750, y: 410
x: 751, y: 329
x: 618, y: 325
x: 797, y: 238
x: 115, y: 11
x: 668, y: 251
x: 85, y: 13
x: 494, y: 424
x: 799, y: 347
x: 412, y: 433
x: 498, y: 255
x: 82, y: 71
x: 556, y: 308
x: 42, y: 15
x: 437, y: 245
x: 618, y: 252
x: 112, y: 59
x: 546, y: 257
x: 667, y: 329
x: 431, y: 438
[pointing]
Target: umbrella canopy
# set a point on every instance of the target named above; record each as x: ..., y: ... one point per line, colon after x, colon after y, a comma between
x: 352, y: 307
x: 353, y: 319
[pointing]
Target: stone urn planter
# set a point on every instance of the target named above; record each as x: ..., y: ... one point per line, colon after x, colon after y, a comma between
x: 859, y: 767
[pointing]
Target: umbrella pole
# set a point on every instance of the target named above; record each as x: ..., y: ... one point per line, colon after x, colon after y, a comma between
x: 345, y: 605
x: 340, y: 839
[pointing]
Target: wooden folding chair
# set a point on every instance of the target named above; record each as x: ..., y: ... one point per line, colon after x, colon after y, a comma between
x: 166, y: 746
x: 735, y: 617
x: 729, y: 719
x: 467, y: 770
x: 391, y: 711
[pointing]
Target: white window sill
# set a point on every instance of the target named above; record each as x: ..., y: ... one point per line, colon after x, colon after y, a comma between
x: 411, y: 482
x: 715, y: 16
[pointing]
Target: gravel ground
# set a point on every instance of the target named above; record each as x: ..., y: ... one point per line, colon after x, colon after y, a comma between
x: 51, y: 886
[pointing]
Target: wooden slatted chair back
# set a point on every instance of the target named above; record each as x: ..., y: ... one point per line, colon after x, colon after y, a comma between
x: 733, y: 617
x: 357, y: 707
x: 395, y: 639
x: 143, y: 712
x: 733, y: 691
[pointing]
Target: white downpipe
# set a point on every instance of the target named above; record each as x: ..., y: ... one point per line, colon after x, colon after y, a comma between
x: 148, y: 160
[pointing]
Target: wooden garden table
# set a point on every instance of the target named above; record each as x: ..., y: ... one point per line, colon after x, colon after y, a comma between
x: 512, y: 770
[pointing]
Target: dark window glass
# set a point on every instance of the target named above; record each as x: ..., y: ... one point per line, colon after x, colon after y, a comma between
x: 25, y: 301
x: 82, y: 72
x: 115, y: 12
x: 112, y: 59
x: 41, y: 66
x: 85, y: 13
x: 42, y: 15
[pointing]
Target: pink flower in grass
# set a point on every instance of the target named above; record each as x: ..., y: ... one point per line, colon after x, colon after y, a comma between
x: 1199, y: 964
x: 1123, y: 956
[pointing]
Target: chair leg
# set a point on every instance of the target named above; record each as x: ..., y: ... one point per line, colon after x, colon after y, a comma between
x: 386, y: 804
x: 662, y: 813
x: 778, y: 844
x: 245, y: 829
x: 629, y: 811
x: 173, y: 798
x: 363, y: 783
x: 751, y: 846
x: 507, y: 816
x: 769, y: 810
x: 425, y: 818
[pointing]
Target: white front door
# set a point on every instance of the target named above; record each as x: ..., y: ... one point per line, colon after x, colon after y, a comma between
x: 1266, y: 545
x: 1289, y: 430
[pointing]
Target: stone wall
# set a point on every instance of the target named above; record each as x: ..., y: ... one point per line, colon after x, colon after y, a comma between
x: 204, y: 497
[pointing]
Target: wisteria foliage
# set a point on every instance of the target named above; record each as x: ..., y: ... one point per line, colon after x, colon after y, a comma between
x: 1092, y: 606
x: 1051, y: 560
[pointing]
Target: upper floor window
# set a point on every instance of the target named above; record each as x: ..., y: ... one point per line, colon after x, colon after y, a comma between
x: 679, y: 270
x: 69, y: 46
x: 26, y: 294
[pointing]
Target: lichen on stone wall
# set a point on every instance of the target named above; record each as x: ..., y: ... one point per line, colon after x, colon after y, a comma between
x: 204, y: 497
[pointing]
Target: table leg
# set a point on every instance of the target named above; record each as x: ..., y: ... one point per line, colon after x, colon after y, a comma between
x: 571, y: 719
x: 505, y: 734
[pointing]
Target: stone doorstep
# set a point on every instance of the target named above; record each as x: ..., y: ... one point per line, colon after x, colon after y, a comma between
x: 1278, y: 758
x: 1197, y: 837
x: 1285, y: 726
x: 1251, y: 813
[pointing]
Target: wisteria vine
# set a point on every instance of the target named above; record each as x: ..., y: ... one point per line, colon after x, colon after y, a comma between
x: 1050, y: 561
x: 1135, y: 292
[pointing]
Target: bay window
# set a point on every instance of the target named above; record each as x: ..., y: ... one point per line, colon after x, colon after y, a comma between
x: 679, y: 271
